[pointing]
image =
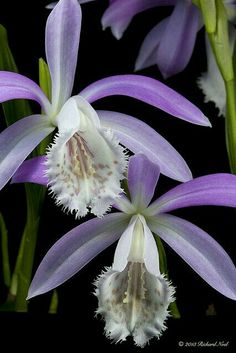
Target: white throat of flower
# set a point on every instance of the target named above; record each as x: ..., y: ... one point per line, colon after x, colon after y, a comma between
x: 133, y: 296
x: 85, y: 163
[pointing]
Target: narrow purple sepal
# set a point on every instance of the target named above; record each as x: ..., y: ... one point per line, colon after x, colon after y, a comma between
x: 18, y: 141
x: 74, y: 250
x: 143, y: 176
x: 178, y: 39
x: 16, y: 86
x: 148, y: 90
x: 199, y: 250
x: 215, y: 189
x: 31, y: 171
x: 159, y: 151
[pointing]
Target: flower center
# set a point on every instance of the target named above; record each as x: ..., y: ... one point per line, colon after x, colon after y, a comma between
x: 80, y: 157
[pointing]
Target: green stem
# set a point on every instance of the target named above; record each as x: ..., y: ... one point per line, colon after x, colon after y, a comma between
x: 13, y: 287
x: 34, y: 196
x: 230, y: 122
x: 5, y: 256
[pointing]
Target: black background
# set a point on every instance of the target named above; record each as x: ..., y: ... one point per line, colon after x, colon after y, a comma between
x: 101, y: 55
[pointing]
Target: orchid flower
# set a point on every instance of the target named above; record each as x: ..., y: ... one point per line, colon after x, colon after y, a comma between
x: 133, y: 295
x: 171, y: 53
x: 85, y: 163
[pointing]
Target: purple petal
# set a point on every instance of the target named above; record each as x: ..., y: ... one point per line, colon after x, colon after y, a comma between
x: 53, y: 4
x: 16, y: 86
x: 62, y: 43
x: 75, y: 249
x: 215, y: 189
x: 149, y: 91
x: 120, y: 13
x: 149, y: 142
x: 18, y: 140
x: 199, y: 250
x: 31, y: 171
x: 148, y: 51
x: 143, y: 176
x: 178, y: 40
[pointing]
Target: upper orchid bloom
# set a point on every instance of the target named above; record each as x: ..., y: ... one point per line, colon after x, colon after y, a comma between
x: 133, y: 295
x: 170, y: 43
x: 85, y: 163
x: 211, y: 81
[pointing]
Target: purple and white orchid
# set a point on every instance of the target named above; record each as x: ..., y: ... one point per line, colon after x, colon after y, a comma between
x: 85, y: 163
x: 171, y: 53
x: 133, y: 295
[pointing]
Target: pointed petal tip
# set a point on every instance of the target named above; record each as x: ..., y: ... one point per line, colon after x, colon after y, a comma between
x: 184, y: 178
x: 137, y: 66
x: 207, y: 121
x: 116, y: 33
x: 31, y: 294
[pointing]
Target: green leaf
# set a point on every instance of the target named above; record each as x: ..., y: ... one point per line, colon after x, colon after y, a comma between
x: 45, y: 85
x: 162, y: 256
x: 5, y: 255
x: 54, y: 303
x: 208, y: 8
x: 45, y: 78
x: 163, y: 269
x: 16, y: 109
x: 174, y: 310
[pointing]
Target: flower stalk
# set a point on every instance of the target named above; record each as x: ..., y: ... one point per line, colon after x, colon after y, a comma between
x: 35, y: 195
x: 5, y: 255
x: 219, y: 40
x: 29, y: 243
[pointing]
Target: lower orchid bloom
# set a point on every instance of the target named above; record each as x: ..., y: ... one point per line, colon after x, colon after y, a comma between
x: 86, y: 162
x: 133, y: 295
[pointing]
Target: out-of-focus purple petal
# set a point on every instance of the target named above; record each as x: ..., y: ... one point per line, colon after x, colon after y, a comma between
x: 18, y: 140
x: 148, y: 90
x: 199, y: 250
x: 16, y: 86
x: 31, y: 171
x: 75, y: 249
x: 178, y: 40
x: 139, y: 137
x: 62, y: 43
x: 148, y: 51
x: 143, y: 176
x: 120, y: 13
x: 53, y: 4
x: 215, y: 189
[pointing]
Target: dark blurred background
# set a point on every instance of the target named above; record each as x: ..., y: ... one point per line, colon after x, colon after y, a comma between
x: 203, y: 148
